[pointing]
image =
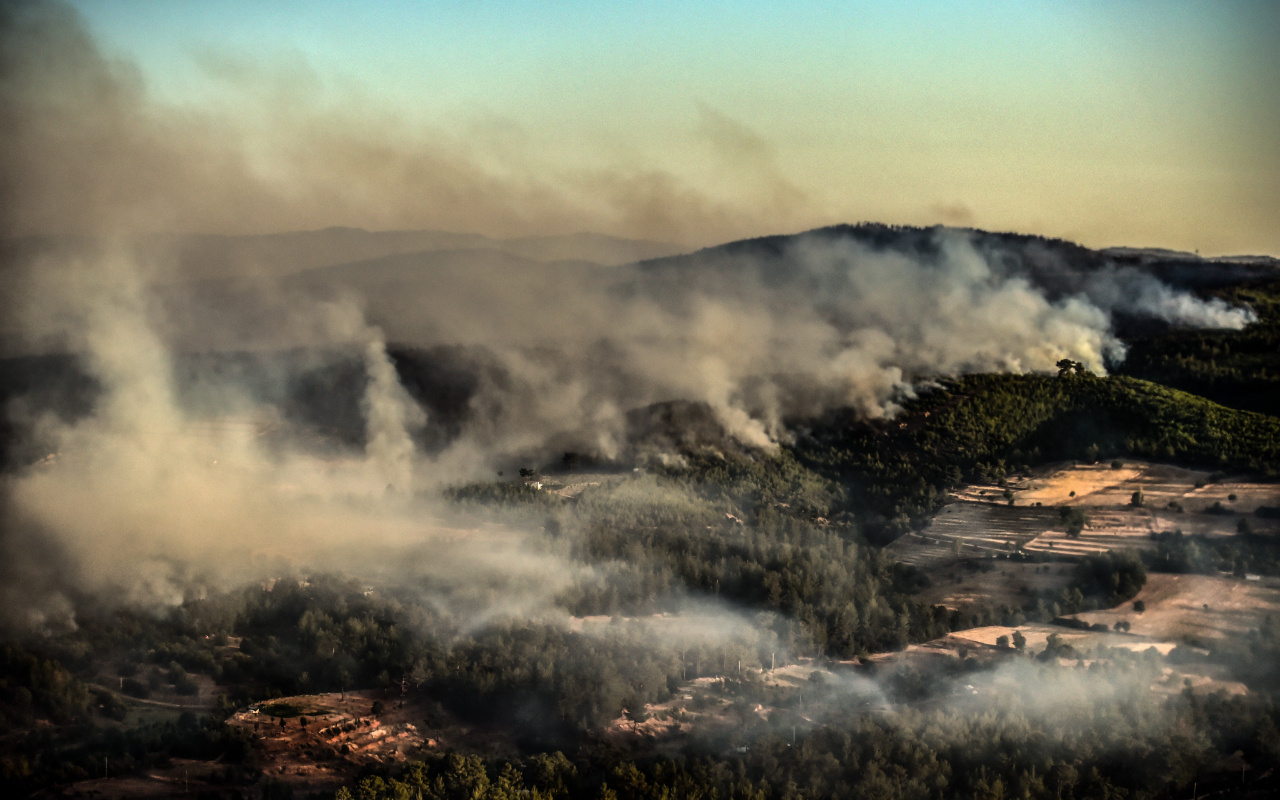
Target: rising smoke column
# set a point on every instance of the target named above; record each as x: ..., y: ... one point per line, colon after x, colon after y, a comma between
x: 147, y: 499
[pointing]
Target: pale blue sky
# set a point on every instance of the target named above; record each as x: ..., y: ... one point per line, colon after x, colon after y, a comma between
x: 1142, y: 122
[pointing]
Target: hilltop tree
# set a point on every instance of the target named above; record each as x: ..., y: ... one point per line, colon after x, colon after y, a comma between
x: 1067, y: 368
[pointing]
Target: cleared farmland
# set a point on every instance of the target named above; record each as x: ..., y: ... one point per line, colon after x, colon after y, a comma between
x: 1194, y: 607
x: 987, y: 521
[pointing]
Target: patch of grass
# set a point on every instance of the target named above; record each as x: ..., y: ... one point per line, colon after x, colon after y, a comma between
x: 284, y: 710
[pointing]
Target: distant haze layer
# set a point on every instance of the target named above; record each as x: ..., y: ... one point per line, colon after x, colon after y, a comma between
x: 1148, y: 124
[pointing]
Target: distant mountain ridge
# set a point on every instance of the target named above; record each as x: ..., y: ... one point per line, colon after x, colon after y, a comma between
x: 917, y: 240
x: 408, y: 280
x: 1047, y: 261
x: 211, y: 256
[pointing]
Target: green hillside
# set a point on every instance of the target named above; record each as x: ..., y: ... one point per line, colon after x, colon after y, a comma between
x: 1236, y: 368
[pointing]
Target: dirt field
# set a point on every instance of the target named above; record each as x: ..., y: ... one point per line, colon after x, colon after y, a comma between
x: 972, y: 529
x: 1037, y: 635
x: 979, y: 522
x: 1201, y: 678
x: 1195, y: 607
x: 1008, y: 582
x: 1100, y: 485
x: 319, y: 747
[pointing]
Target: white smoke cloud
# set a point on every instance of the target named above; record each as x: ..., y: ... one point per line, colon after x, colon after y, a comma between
x: 828, y: 322
x: 145, y: 498
x: 1139, y: 293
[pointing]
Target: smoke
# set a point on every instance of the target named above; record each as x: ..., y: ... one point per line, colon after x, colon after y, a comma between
x: 1130, y: 291
x: 165, y: 484
x: 86, y: 149
x: 760, y: 333
x: 154, y: 491
x: 700, y: 626
x: 147, y: 499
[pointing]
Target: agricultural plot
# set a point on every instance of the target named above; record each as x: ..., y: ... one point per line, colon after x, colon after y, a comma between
x: 972, y: 529
x: 1038, y: 635
x: 1195, y: 607
x: 1012, y: 583
x: 993, y: 521
x: 1102, y: 485
x: 1085, y: 646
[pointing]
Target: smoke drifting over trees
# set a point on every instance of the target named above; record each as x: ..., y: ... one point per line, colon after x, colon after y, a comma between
x: 549, y: 355
x: 293, y: 438
x: 557, y: 356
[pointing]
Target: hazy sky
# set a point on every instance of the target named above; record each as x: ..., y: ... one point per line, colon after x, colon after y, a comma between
x: 1145, y: 123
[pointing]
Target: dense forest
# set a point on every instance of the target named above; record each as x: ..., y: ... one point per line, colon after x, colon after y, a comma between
x: 1114, y: 739
x: 1240, y: 369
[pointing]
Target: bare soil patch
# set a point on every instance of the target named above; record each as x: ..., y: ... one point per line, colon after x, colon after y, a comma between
x: 1037, y: 635
x: 1195, y: 607
x: 1012, y: 583
x: 981, y: 522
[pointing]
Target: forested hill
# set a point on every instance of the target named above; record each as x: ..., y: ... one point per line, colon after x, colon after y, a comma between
x: 906, y: 239
x: 1236, y: 368
x: 1047, y: 261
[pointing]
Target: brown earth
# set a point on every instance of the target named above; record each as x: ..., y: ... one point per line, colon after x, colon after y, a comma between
x: 1037, y: 635
x: 1012, y: 583
x: 1195, y: 607
x: 979, y: 521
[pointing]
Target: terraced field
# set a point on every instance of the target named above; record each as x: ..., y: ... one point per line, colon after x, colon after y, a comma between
x: 973, y: 529
x: 980, y: 522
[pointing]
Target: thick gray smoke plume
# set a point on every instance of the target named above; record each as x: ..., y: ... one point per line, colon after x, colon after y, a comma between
x: 145, y: 498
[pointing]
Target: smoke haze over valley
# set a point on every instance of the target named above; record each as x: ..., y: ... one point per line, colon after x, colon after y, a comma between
x: 616, y: 466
